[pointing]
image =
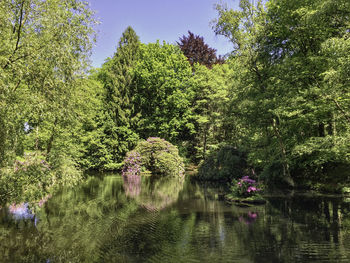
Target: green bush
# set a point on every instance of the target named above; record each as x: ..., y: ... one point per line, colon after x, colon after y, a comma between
x: 30, y: 178
x: 224, y: 165
x: 154, y: 156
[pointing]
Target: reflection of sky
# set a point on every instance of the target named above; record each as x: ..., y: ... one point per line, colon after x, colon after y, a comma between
x: 21, y: 211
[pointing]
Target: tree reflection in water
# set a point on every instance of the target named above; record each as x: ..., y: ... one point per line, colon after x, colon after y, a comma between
x: 105, y: 220
x: 153, y: 193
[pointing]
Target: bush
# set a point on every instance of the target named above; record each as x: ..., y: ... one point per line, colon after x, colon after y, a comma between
x: 155, y: 157
x: 245, y: 187
x: 224, y: 165
x: 28, y: 179
x: 66, y: 171
x: 31, y: 178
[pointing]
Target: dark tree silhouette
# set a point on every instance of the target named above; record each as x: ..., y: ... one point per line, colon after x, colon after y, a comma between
x: 195, y: 49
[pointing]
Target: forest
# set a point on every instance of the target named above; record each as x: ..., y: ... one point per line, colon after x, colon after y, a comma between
x: 276, y: 108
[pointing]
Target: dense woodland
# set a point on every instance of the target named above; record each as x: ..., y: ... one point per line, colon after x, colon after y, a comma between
x: 277, y: 106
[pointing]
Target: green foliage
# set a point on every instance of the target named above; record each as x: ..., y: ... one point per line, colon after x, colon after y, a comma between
x: 282, y: 96
x: 289, y: 93
x: 210, y: 108
x: 223, y: 165
x: 41, y: 56
x: 115, y: 131
x: 44, y: 48
x: 157, y: 156
x: 28, y: 179
x: 163, y: 95
x: 32, y: 178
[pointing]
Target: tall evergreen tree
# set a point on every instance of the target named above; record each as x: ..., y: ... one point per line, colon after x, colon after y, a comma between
x: 119, y: 80
x: 120, y: 119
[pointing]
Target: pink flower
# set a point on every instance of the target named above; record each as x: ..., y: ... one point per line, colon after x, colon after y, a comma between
x: 251, y: 189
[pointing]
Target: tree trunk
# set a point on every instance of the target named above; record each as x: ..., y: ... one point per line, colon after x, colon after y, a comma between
x: 205, y: 141
x: 52, y: 137
x: 286, y: 173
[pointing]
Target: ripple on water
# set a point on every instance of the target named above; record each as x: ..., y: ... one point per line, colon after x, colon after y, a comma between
x: 113, y: 227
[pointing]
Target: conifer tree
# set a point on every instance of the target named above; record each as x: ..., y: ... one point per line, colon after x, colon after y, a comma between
x: 119, y: 85
x: 119, y: 82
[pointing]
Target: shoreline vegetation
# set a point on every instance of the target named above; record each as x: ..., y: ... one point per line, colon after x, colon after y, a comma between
x: 273, y: 113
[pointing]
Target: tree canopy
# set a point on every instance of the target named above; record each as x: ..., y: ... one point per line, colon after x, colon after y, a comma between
x: 197, y: 51
x: 279, y: 103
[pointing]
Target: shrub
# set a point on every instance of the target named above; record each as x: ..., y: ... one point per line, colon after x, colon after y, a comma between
x: 245, y: 187
x: 155, y: 157
x: 28, y: 179
x: 66, y: 171
x: 31, y: 178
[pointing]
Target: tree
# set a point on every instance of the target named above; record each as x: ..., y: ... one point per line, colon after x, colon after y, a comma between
x: 210, y: 105
x: 120, y: 120
x: 196, y: 51
x: 44, y: 47
x: 119, y: 80
x: 285, y: 96
x: 163, y: 93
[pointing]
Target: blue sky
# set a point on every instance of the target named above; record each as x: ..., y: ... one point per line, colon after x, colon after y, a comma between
x: 155, y: 19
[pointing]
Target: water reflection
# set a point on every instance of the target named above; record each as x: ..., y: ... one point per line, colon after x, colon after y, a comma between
x: 249, y: 218
x: 25, y: 211
x: 153, y: 193
x: 105, y: 220
x: 21, y: 211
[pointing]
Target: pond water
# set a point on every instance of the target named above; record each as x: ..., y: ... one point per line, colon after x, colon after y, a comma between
x: 108, y: 219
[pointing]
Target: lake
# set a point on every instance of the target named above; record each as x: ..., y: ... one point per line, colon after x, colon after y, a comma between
x: 111, y: 219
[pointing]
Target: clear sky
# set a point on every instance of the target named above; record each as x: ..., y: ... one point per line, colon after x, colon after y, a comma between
x: 155, y: 20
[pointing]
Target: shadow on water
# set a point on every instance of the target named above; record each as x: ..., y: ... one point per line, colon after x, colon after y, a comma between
x: 113, y: 219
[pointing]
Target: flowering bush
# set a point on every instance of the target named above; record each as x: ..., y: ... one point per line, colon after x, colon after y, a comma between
x: 132, y: 174
x: 245, y: 187
x: 154, y: 156
x: 132, y: 164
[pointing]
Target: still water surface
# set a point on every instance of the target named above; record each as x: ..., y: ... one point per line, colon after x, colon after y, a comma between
x: 108, y: 219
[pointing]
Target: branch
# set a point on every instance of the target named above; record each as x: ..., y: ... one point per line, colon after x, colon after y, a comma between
x: 18, y: 35
x: 341, y: 110
x: 18, y: 83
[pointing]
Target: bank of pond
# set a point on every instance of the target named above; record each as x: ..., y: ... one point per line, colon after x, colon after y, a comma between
x: 108, y: 218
